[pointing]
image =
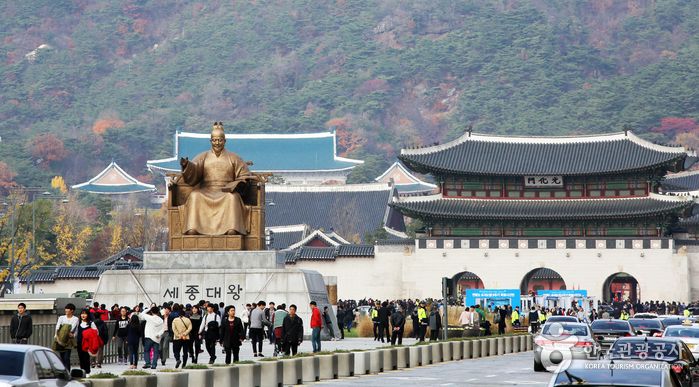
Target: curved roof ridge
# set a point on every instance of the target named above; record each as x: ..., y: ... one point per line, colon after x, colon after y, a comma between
x: 654, y: 196
x: 329, y: 188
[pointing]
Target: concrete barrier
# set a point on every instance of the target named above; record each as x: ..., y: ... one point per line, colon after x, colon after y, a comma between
x: 484, y: 347
x: 414, y: 353
x: 476, y: 349
x: 141, y: 380
x: 457, y: 350
x: 402, y: 357
x: 361, y: 363
x: 530, y: 342
x: 508, y: 344
x: 271, y: 373
x: 390, y: 359
x: 200, y: 377
x: 292, y: 372
x: 425, y: 355
x: 345, y: 364
x: 113, y: 382
x: 375, y: 361
x: 310, y: 371
x: 248, y: 375
x: 492, y: 346
x: 467, y: 349
x: 327, y: 366
x: 174, y: 379
x: 500, y: 346
x: 436, y: 352
x: 446, y: 351
x: 225, y: 376
x: 515, y: 344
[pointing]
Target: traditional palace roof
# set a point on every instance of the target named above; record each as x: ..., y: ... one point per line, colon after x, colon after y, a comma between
x: 479, y: 154
x: 406, y: 183
x: 268, y: 152
x: 307, y: 253
x: 681, y: 182
x: 437, y: 207
x: 113, y: 181
x: 351, y: 210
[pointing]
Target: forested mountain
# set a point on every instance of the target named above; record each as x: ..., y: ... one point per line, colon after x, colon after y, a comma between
x: 83, y: 82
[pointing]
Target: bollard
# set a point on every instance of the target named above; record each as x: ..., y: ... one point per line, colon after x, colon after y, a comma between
x: 175, y: 379
x: 200, y: 377
x: 375, y: 361
x: 500, y: 346
x: 225, y: 376
x: 508, y: 344
x: 270, y: 373
x: 414, y: 356
x: 327, y: 366
x: 115, y: 382
x: 530, y: 342
x: 457, y: 350
x: 484, y: 348
x: 475, y: 349
x: 446, y: 351
x: 292, y: 372
x: 436, y: 352
x: 141, y: 381
x: 425, y: 355
x: 345, y: 364
x: 248, y: 375
x: 361, y: 363
x: 515, y: 344
x: 310, y: 371
x: 467, y: 349
x: 492, y: 346
x: 402, y: 357
x: 390, y: 359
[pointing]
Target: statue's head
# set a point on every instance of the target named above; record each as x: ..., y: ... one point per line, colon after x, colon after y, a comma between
x: 218, y: 138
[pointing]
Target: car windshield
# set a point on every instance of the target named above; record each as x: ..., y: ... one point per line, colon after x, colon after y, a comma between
x: 603, y: 325
x: 642, y: 350
x: 11, y: 363
x: 672, y: 321
x: 682, y: 332
x: 564, y: 329
x: 646, y: 324
x: 563, y: 318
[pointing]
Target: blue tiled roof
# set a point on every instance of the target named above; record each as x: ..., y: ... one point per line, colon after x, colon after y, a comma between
x: 113, y: 181
x: 268, y: 152
x: 350, y: 210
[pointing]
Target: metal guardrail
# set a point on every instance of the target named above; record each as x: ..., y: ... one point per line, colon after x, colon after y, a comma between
x: 43, y: 334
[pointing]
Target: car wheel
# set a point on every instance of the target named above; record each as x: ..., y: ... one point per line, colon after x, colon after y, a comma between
x: 538, y: 367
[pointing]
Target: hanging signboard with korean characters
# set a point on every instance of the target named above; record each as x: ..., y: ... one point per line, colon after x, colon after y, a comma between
x: 543, y: 181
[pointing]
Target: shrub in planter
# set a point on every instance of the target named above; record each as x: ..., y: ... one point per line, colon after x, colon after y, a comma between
x: 248, y: 373
x: 106, y: 379
x: 200, y: 375
x: 271, y: 372
x: 225, y: 375
x: 136, y: 378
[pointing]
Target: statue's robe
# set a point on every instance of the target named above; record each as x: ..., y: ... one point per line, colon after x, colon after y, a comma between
x: 211, y: 207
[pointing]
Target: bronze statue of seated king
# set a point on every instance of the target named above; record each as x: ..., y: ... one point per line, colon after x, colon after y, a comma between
x: 216, y: 203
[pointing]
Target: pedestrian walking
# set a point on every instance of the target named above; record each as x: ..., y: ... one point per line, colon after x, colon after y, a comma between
x: 515, y: 317
x: 181, y: 336
x: 424, y: 321
x: 340, y: 316
x: 292, y: 331
x: 328, y: 323
x: 152, y: 333
x: 87, y: 339
x: 384, y: 315
x: 277, y: 322
x: 66, y: 329
x: 133, y: 339
x: 269, y: 315
x: 416, y: 323
x: 232, y: 335
x: 245, y: 318
x: 121, y: 328
x: 209, y: 331
x: 435, y: 323
x: 167, y: 334
x: 21, y: 325
x: 195, y: 318
x: 257, y: 324
x: 103, y: 332
x: 316, y: 325
x: 374, y: 311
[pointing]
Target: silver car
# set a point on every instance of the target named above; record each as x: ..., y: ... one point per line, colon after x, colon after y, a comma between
x: 563, y: 342
x: 31, y: 365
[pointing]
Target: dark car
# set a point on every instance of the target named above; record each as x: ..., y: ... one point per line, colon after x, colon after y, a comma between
x: 647, y: 326
x: 672, y: 351
x: 606, y: 373
x: 607, y: 331
x: 675, y: 320
x: 31, y: 365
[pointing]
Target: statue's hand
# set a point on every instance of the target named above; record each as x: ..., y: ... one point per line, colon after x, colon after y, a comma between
x: 184, y: 161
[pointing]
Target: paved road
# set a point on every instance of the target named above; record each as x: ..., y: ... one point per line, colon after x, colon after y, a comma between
x: 507, y: 370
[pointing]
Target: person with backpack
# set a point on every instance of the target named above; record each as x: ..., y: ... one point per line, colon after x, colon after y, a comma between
x: 209, y: 331
x: 181, y: 329
x: 120, y: 333
x: 232, y: 335
x: 21, y: 325
x: 195, y: 318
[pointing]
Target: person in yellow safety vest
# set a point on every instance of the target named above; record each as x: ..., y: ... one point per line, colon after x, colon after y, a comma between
x: 422, y: 319
x: 375, y: 320
x: 686, y: 313
x: 624, y: 315
x: 542, y: 317
x: 515, y: 317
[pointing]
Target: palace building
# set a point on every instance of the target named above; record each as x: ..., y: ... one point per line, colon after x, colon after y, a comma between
x: 538, y: 213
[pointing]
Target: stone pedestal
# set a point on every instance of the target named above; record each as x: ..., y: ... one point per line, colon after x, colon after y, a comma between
x: 232, y: 277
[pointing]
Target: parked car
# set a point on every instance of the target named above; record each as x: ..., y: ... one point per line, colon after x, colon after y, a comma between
x: 32, y: 365
x: 573, y: 319
x: 607, y: 331
x: 605, y: 373
x: 647, y: 326
x: 669, y: 320
x: 574, y: 338
x: 645, y: 315
x: 665, y: 349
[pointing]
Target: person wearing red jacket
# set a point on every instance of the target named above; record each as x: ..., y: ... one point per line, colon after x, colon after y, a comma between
x: 316, y: 325
x: 87, y: 338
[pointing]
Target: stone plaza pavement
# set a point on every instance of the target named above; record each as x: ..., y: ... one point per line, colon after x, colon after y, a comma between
x: 267, y: 350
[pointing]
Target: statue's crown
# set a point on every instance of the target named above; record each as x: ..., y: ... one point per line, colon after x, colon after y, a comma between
x: 217, y: 126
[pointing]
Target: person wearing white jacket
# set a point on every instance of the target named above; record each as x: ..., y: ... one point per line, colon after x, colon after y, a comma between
x: 155, y: 327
